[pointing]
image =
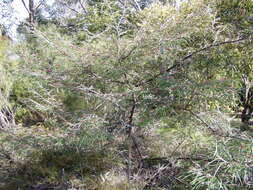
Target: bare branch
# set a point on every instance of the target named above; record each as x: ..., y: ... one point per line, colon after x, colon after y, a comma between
x: 84, y: 9
x: 70, y: 8
x: 128, y: 54
x: 136, y: 5
x: 180, y: 63
x: 211, y: 46
x: 38, y: 6
x: 25, y: 6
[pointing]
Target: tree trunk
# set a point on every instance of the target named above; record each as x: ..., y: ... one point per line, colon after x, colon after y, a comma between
x: 31, y: 14
x: 246, y: 100
x: 246, y: 114
x: 6, y: 117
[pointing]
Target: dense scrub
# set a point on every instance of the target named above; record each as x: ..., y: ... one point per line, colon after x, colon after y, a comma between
x: 128, y: 95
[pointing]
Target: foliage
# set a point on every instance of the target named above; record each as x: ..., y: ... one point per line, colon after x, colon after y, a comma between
x: 5, y: 80
x: 148, y: 89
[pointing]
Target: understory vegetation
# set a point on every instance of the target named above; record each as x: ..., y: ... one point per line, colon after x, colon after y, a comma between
x: 127, y: 95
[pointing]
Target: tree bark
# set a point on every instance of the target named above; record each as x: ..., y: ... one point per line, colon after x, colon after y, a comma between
x: 31, y: 14
x: 247, y: 100
x: 246, y: 114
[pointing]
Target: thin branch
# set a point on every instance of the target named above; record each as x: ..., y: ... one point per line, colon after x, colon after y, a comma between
x: 196, y: 159
x: 211, y: 46
x: 128, y: 54
x: 132, y: 137
x: 132, y: 112
x: 136, y: 5
x: 38, y: 6
x: 131, y: 133
x: 214, y: 131
x: 84, y: 9
x: 200, y: 119
x: 25, y: 6
x: 180, y: 62
x: 65, y: 4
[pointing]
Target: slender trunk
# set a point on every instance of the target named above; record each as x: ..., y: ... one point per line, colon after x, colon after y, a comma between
x: 247, y: 100
x: 246, y: 114
x: 129, y: 162
x: 31, y: 14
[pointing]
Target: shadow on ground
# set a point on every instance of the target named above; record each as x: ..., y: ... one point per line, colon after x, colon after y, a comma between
x: 54, y: 168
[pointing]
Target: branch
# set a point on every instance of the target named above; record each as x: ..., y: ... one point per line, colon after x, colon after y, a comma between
x: 129, y: 132
x: 66, y: 5
x: 177, y: 64
x: 136, y: 5
x: 197, y: 159
x: 211, y: 46
x: 38, y: 6
x: 127, y: 55
x: 131, y: 135
x: 84, y: 9
x: 25, y: 6
x: 129, y: 124
x: 214, y: 132
x: 200, y: 119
